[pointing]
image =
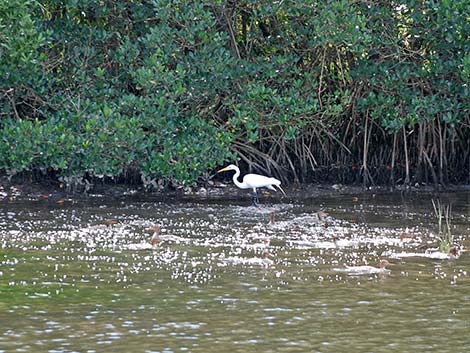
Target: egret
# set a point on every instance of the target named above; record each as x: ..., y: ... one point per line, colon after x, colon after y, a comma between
x: 253, y: 181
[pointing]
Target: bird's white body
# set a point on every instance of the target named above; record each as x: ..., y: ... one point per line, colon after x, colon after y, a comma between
x: 254, y: 181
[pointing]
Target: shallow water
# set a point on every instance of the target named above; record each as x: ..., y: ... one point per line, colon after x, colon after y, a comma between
x: 69, y: 283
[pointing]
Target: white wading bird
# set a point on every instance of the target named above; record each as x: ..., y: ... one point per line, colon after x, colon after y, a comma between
x: 253, y: 181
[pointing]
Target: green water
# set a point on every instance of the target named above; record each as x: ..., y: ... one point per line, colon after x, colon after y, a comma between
x: 68, y: 283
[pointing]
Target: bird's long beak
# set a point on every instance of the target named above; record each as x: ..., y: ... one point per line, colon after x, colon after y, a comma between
x: 223, y: 170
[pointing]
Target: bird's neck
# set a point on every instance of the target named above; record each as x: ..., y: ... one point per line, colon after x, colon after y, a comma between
x: 236, y: 182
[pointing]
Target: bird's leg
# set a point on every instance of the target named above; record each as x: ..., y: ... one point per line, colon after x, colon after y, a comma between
x: 255, y: 199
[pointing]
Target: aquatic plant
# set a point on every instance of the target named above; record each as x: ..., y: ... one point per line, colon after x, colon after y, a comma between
x: 443, y: 215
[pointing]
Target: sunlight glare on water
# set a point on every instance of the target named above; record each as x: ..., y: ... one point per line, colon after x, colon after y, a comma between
x: 225, y: 277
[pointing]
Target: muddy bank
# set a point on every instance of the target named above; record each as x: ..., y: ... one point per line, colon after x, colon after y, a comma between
x: 57, y: 192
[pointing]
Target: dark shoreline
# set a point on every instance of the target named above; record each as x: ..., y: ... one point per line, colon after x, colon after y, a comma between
x: 30, y: 191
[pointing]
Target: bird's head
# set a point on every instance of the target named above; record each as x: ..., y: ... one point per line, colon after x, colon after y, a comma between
x: 230, y: 167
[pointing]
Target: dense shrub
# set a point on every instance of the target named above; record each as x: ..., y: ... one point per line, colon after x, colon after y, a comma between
x: 326, y: 91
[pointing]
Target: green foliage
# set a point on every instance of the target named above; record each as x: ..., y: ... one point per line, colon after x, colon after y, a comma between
x: 169, y: 89
x: 19, y: 40
x: 119, y: 96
